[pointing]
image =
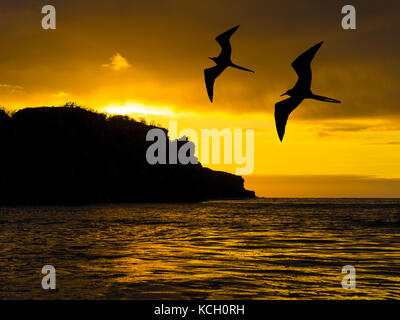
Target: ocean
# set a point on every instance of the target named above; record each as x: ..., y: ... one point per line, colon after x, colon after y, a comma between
x: 239, y: 249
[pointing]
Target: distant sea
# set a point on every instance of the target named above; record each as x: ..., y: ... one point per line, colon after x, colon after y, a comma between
x: 250, y: 249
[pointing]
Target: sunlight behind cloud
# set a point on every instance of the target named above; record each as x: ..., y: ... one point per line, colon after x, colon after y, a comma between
x: 117, y: 62
x: 60, y: 94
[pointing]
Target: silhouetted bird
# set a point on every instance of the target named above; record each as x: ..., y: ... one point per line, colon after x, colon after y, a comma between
x: 301, y: 91
x: 223, y: 61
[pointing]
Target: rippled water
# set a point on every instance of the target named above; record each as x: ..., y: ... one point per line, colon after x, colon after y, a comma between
x: 255, y: 249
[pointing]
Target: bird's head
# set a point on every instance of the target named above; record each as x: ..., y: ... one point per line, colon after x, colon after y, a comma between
x: 287, y: 93
x: 213, y: 59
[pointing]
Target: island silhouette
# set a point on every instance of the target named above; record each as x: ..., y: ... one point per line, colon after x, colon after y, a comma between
x: 72, y: 155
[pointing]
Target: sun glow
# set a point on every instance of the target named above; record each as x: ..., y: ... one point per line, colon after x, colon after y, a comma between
x: 133, y: 108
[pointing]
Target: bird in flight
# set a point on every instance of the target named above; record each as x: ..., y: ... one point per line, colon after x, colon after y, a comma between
x: 222, y: 61
x: 301, y: 91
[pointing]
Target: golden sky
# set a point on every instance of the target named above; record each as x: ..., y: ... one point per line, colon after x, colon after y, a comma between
x: 147, y: 57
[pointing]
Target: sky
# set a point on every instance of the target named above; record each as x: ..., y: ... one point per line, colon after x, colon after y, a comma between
x: 146, y: 59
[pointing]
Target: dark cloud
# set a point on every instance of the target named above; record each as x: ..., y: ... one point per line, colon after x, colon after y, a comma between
x: 350, y: 128
x: 389, y: 143
x: 323, y: 186
x: 169, y: 42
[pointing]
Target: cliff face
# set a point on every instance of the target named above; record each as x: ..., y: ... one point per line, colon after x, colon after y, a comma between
x: 68, y: 155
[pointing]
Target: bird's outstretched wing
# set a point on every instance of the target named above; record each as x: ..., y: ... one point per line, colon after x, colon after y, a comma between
x: 282, y: 111
x: 302, y: 66
x: 210, y: 75
x: 223, y: 41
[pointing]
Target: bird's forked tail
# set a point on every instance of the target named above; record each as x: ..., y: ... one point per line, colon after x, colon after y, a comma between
x: 326, y: 99
x: 241, y: 68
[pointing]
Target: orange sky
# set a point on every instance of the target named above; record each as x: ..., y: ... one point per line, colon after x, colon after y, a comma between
x: 147, y: 57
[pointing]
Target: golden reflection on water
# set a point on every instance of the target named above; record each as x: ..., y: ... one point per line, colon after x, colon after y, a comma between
x: 256, y: 249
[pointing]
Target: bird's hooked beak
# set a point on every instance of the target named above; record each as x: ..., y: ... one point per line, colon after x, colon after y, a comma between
x: 284, y: 94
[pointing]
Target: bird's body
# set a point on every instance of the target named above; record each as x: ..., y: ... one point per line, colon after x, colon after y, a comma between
x: 222, y: 62
x: 301, y: 90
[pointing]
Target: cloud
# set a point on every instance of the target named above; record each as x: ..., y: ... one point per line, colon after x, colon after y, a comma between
x: 60, y: 94
x: 323, y: 134
x: 353, y: 127
x: 10, y: 87
x: 350, y: 128
x: 331, y: 128
x: 323, y: 186
x: 389, y: 143
x: 117, y: 62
